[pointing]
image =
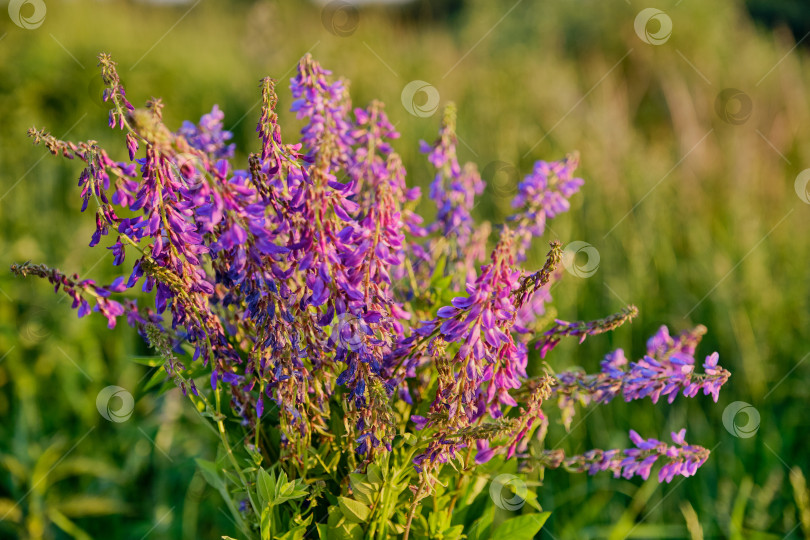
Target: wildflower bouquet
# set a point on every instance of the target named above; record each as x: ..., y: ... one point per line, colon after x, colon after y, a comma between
x: 354, y: 359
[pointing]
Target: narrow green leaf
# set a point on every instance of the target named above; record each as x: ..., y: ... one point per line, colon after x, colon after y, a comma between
x: 265, y: 486
x: 453, y: 533
x: 11, y: 509
x: 438, y: 271
x: 265, y: 523
x: 281, y: 484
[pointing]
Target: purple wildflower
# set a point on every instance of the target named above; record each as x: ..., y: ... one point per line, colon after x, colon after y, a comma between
x: 679, y: 459
x: 453, y: 189
x: 667, y: 369
x: 208, y: 136
x: 542, y: 195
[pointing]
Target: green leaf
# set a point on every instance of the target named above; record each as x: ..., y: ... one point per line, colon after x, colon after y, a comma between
x: 78, y: 466
x: 354, y: 511
x: 265, y: 486
x: 338, y: 528
x: 157, y: 378
x: 266, y: 525
x: 363, y: 491
x: 68, y: 526
x: 442, y: 288
x: 521, y: 527
x: 375, y: 473
x: 14, y: 466
x: 11, y: 509
x: 211, y: 473
x: 453, y: 533
x: 288, y: 488
x: 409, y: 439
x: 254, y: 454
x: 281, y: 484
x: 294, y: 534
x: 347, y: 531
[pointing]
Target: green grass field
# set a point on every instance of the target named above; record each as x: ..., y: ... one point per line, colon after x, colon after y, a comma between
x: 689, y: 199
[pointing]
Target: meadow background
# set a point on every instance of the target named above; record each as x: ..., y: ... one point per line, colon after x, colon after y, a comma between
x: 689, y: 199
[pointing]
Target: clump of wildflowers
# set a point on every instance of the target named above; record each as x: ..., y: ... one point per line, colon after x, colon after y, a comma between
x: 346, y: 334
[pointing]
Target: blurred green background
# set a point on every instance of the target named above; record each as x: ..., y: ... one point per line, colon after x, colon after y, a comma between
x: 689, y: 199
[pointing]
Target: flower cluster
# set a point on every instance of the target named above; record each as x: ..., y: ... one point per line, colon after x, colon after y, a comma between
x: 542, y: 195
x: 667, y: 369
x: 680, y: 459
x: 208, y: 136
x: 307, y: 288
x: 453, y: 190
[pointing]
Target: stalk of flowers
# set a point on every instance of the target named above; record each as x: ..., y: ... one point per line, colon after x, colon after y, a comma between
x: 377, y: 237
x: 488, y: 362
x: 208, y: 135
x: 326, y: 106
x: 115, y: 93
x: 271, y: 170
x: 94, y: 180
x: 667, y: 369
x: 542, y: 195
x: 679, y: 459
x: 170, y: 264
x: 81, y: 291
x: 167, y: 219
x: 281, y: 328
x: 583, y: 329
x: 412, y: 352
x: 246, y: 250
x: 453, y: 189
x: 346, y: 253
x: 476, y: 322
